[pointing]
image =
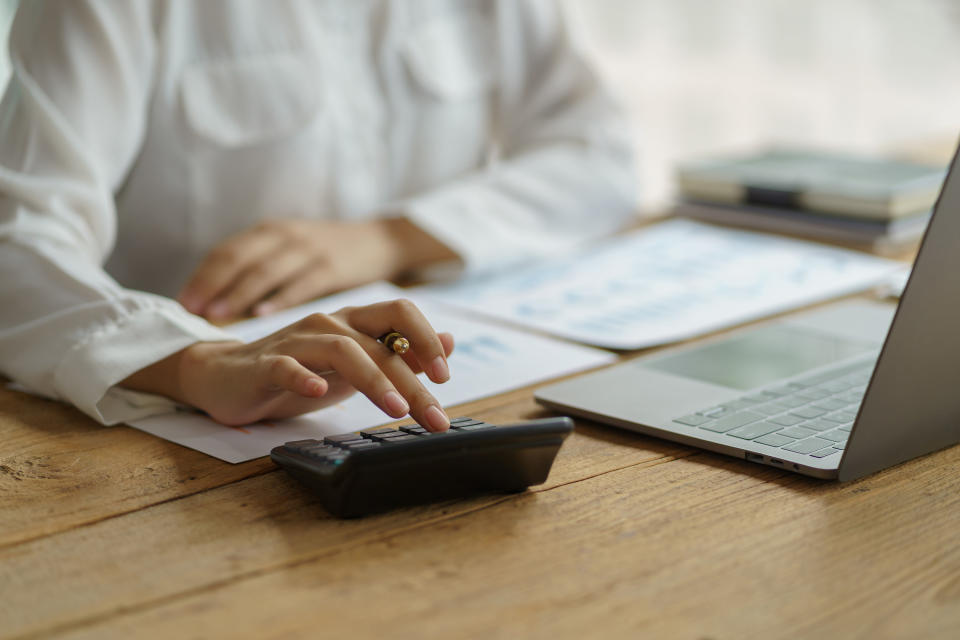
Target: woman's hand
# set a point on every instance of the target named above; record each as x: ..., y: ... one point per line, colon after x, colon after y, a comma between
x: 313, y: 363
x: 283, y: 263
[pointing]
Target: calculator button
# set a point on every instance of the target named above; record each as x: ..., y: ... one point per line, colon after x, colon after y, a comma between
x: 295, y: 444
x: 461, y: 419
x: 319, y: 451
x: 361, y: 446
x: 383, y: 435
x: 380, y: 432
x: 414, y: 429
x: 474, y: 427
x: 350, y: 442
x: 464, y: 423
x: 342, y: 437
x: 406, y: 437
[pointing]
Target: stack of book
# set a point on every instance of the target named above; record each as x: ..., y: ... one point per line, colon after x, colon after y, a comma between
x: 875, y: 204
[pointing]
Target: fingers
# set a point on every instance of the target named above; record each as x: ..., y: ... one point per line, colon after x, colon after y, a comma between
x: 222, y: 266
x: 421, y: 404
x: 446, y: 339
x: 297, y: 290
x: 256, y: 282
x: 286, y: 373
x: 403, y: 316
x: 352, y: 362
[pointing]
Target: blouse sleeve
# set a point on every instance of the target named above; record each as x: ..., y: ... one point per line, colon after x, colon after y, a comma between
x: 71, y: 125
x: 565, y: 173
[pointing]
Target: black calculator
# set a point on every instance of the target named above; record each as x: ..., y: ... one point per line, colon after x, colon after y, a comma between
x: 364, y: 472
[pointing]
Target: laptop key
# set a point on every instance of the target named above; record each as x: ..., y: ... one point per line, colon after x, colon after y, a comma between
x: 770, y: 409
x: 814, y: 394
x: 809, y: 412
x: 819, y: 425
x: 736, y: 405
x: 823, y: 453
x: 693, y: 420
x: 836, y: 387
x: 797, y: 432
x: 786, y: 420
x: 831, y: 404
x: 793, y: 401
x: 714, y: 412
x: 732, y: 421
x: 755, y: 430
x: 835, y: 417
x: 774, y: 440
x: 808, y: 446
x: 836, y: 435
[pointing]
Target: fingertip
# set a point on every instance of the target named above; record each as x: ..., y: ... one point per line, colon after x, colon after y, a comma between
x: 219, y: 310
x: 446, y: 339
x: 316, y: 387
x: 191, y: 303
x: 436, y: 419
x: 395, y: 405
x: 439, y: 371
x: 264, y: 309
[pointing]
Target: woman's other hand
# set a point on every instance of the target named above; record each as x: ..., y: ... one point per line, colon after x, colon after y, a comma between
x: 311, y: 364
x: 283, y: 263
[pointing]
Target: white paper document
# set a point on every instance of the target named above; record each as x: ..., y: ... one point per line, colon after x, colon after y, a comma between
x: 488, y: 359
x: 667, y: 282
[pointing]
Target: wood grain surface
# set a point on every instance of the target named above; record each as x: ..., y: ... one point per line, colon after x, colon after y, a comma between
x: 108, y: 532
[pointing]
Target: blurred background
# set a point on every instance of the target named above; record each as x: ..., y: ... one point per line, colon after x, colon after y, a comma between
x: 708, y: 77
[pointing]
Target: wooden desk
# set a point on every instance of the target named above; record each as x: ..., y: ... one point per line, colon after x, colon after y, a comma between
x: 110, y: 532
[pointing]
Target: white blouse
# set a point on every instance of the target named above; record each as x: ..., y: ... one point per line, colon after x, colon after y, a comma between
x: 137, y: 135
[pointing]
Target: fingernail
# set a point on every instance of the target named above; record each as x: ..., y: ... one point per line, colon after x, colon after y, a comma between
x: 218, y: 310
x: 395, y: 404
x: 264, y: 309
x: 436, y: 418
x: 316, y: 386
x: 441, y: 373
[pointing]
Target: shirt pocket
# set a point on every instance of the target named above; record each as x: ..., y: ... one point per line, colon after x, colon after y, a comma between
x: 250, y: 101
x: 450, y: 57
x: 449, y: 64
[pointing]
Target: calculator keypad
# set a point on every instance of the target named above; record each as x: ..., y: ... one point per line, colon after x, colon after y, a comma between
x: 335, y: 449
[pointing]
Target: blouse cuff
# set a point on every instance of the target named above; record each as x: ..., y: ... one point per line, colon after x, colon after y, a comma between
x: 89, y: 373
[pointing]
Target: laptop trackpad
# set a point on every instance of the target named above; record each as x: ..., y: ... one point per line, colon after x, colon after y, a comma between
x: 760, y: 357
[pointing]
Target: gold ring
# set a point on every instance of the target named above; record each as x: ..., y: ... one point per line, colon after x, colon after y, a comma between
x: 395, y: 341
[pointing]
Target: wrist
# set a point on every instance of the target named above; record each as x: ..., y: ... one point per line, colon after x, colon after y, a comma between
x: 410, y: 247
x: 180, y: 376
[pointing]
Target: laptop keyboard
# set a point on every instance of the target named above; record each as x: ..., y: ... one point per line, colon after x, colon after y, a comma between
x: 812, y: 416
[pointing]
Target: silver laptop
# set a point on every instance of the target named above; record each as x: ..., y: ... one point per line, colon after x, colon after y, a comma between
x: 838, y: 392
